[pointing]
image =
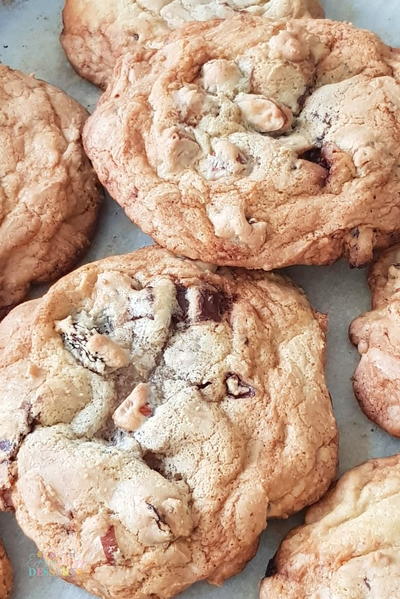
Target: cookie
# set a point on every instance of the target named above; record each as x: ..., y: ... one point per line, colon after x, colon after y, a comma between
x: 49, y: 193
x: 377, y: 337
x: 96, y: 33
x: 5, y: 574
x: 348, y: 548
x: 183, y: 406
x: 256, y: 143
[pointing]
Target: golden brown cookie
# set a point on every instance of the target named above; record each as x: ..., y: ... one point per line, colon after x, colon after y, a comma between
x: 49, y: 194
x: 154, y: 412
x: 256, y: 143
x: 6, y: 577
x: 377, y: 336
x: 97, y: 32
x: 348, y: 548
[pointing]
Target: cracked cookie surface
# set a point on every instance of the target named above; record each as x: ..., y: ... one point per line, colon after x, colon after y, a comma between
x: 183, y: 405
x: 49, y: 194
x: 348, y: 548
x: 6, y: 576
x: 256, y: 143
x: 96, y: 33
x: 377, y: 337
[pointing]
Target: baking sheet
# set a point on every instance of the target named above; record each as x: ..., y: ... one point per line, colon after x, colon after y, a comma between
x: 29, y: 41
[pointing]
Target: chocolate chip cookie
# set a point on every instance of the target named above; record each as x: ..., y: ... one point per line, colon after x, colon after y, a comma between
x: 377, y: 336
x: 5, y: 574
x: 256, y: 143
x: 49, y: 194
x: 154, y: 412
x: 97, y: 32
x: 348, y: 548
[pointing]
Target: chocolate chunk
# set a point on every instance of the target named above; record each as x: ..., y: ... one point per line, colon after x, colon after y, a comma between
x: 154, y: 462
x: 109, y: 544
x: 182, y: 300
x: 271, y: 568
x: 236, y: 387
x: 355, y: 232
x: 213, y: 305
x: 317, y: 156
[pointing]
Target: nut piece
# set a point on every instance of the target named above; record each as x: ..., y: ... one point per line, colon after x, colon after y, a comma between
x: 110, y: 352
x: 236, y: 387
x: 288, y: 46
x: 264, y: 114
x: 134, y: 410
x: 179, y: 151
x: 221, y: 76
x: 192, y: 103
x: 230, y: 222
x: 227, y: 160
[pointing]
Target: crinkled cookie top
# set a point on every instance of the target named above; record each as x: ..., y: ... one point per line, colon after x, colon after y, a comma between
x: 97, y: 32
x: 256, y: 143
x: 49, y: 193
x: 377, y: 337
x: 154, y: 413
x: 349, y: 547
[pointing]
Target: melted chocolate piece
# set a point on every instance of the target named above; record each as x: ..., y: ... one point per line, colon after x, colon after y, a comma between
x: 317, y: 156
x: 271, y: 568
x: 213, y: 305
x: 154, y: 462
x: 182, y: 300
x: 236, y: 387
x: 109, y: 544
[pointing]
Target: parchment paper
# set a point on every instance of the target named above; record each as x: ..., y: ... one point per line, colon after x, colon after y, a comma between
x: 29, y: 32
